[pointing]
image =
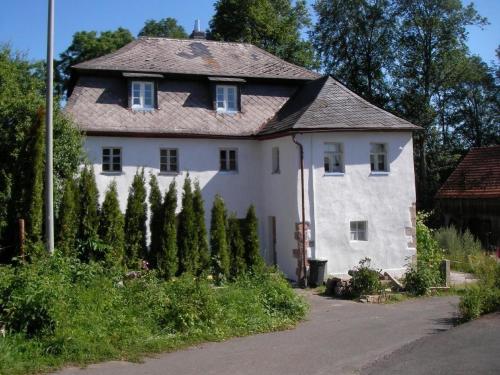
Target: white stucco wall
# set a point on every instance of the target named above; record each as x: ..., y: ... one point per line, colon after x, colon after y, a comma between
x: 383, y: 201
x: 331, y: 201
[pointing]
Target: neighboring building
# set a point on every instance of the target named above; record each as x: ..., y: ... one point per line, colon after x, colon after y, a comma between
x: 229, y: 114
x: 470, y: 197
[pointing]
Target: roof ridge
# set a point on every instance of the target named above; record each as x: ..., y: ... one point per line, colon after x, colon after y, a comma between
x: 119, y: 50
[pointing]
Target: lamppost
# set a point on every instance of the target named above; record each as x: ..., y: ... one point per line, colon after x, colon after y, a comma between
x: 49, y: 182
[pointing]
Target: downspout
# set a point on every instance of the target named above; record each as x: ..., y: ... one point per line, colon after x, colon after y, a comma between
x: 303, y: 282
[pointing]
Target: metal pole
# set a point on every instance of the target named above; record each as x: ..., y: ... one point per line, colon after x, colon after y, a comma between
x: 49, y: 183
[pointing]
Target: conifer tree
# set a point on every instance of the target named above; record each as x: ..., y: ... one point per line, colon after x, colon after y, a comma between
x: 218, y: 240
x: 251, y: 238
x: 199, y: 212
x: 34, y: 219
x: 167, y: 259
x: 135, y: 221
x: 67, y: 226
x: 155, y: 219
x: 236, y: 246
x: 88, y: 211
x: 111, y: 225
x: 187, y: 236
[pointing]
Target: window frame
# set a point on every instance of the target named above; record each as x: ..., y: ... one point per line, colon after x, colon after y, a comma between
x: 228, y: 160
x: 225, y: 99
x: 168, y: 162
x: 142, y: 95
x: 354, y: 234
x: 111, y: 163
x: 275, y: 160
x: 331, y: 172
x: 374, y: 169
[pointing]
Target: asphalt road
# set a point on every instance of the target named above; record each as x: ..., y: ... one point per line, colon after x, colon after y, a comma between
x: 339, y: 337
x: 471, y: 348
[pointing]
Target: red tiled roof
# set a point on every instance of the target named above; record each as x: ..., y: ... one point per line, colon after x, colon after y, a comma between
x: 477, y: 175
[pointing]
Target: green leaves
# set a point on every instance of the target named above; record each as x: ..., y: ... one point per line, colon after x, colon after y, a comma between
x: 165, y: 28
x: 135, y: 221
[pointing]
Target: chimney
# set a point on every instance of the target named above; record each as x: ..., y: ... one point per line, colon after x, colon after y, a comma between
x: 197, y: 33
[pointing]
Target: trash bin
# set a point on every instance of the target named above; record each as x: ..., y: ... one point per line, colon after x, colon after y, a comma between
x: 316, y: 272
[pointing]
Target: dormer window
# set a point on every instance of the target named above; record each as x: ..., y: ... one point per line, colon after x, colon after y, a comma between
x: 142, y: 95
x: 226, y: 98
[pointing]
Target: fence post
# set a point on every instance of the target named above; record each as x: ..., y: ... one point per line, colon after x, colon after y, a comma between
x: 445, y: 271
x: 21, y: 238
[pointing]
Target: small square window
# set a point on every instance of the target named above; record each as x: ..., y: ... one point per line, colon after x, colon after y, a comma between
x: 276, y: 160
x: 334, y: 158
x: 378, y: 157
x: 142, y: 95
x: 228, y: 160
x: 169, y: 160
x: 359, y: 231
x: 111, y: 159
x: 226, y: 98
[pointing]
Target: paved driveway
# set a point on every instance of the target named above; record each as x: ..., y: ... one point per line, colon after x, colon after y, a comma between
x: 339, y: 337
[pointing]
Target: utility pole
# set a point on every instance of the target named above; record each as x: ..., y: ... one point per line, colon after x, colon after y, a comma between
x: 49, y: 182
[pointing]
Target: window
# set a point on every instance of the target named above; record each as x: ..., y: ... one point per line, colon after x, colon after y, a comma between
x: 226, y: 98
x: 169, y: 160
x: 111, y: 159
x: 378, y: 157
x: 334, y: 158
x: 358, y: 231
x: 228, y: 160
x: 142, y: 95
x: 276, y: 160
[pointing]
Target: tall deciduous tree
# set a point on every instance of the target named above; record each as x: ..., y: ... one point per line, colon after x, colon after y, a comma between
x: 111, y: 226
x: 430, y: 31
x: 88, y: 45
x: 155, y: 219
x: 354, y: 41
x: 251, y: 238
x: 218, y: 240
x: 274, y: 25
x: 135, y: 221
x: 67, y: 223
x: 166, y: 28
x: 167, y: 259
x: 199, y: 213
x: 236, y: 246
x: 187, y: 234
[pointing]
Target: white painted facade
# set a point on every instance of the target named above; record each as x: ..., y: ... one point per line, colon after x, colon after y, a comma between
x: 332, y: 201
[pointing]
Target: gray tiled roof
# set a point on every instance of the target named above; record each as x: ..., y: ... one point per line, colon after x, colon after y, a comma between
x: 198, y: 57
x: 325, y: 104
x: 99, y: 104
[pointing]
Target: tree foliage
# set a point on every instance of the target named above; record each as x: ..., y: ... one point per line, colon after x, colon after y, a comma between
x: 199, y: 213
x: 274, y: 25
x: 251, y: 237
x: 67, y: 223
x: 111, y: 226
x: 135, y: 221
x: 155, y: 219
x: 187, y: 237
x: 165, y: 27
x: 21, y: 101
x: 88, y: 211
x: 218, y: 240
x: 88, y: 45
x: 167, y: 260
x: 236, y: 246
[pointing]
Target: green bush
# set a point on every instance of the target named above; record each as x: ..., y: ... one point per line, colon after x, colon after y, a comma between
x: 60, y: 310
x: 479, y: 300
x: 459, y: 247
x: 365, y: 279
x: 429, y: 254
x: 417, y: 281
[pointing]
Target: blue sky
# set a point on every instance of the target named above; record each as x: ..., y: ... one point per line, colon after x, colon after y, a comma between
x: 23, y: 22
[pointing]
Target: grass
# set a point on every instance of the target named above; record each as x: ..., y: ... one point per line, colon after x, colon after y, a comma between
x: 60, y: 312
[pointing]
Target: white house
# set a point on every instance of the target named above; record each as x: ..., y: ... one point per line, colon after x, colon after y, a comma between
x: 246, y: 124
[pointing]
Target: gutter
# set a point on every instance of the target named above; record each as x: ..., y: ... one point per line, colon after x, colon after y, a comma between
x: 302, y: 282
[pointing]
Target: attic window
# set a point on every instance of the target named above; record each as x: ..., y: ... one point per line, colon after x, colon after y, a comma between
x: 142, y: 95
x: 226, y: 100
